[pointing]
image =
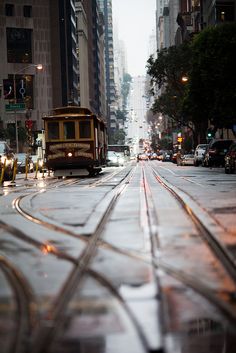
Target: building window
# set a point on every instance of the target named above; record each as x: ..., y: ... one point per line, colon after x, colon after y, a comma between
x: 225, y: 12
x: 9, y: 10
x: 19, y: 45
x: 27, y: 11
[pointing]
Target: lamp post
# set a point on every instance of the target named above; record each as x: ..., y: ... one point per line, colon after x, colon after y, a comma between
x: 38, y: 67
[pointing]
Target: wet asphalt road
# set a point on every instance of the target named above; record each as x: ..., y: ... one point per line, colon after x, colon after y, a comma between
x: 60, y: 292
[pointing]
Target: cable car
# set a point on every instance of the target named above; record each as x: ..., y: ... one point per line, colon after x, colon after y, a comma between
x: 75, y: 140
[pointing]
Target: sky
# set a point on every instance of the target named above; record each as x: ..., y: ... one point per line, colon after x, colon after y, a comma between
x: 135, y: 20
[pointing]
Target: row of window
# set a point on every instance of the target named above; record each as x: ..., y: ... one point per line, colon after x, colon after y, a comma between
x: 10, y: 10
x: 70, y: 130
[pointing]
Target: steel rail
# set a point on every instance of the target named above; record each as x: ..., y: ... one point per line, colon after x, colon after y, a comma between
x: 26, y: 306
x: 44, y: 338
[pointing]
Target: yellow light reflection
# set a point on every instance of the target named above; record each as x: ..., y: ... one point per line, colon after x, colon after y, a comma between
x: 46, y: 249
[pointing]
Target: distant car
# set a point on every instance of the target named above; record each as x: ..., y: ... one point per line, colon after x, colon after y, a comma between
x: 121, y: 158
x: 112, y: 159
x: 22, y: 158
x: 199, y: 154
x: 142, y: 157
x: 6, y: 157
x: 215, y: 152
x: 167, y: 156
x: 187, y: 159
x: 230, y: 159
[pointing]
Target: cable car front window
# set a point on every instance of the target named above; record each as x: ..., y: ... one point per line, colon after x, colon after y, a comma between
x: 69, y: 130
x: 53, y: 131
x: 84, y: 129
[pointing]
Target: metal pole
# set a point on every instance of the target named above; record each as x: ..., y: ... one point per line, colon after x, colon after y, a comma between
x: 16, y: 127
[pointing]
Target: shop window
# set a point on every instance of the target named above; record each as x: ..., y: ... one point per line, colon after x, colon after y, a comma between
x: 84, y: 129
x: 27, y: 11
x: 9, y: 10
x: 19, y: 45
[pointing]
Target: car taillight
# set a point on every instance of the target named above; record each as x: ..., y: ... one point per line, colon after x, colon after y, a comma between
x: 212, y: 151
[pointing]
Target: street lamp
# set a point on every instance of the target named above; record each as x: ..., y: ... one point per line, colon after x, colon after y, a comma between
x: 38, y: 67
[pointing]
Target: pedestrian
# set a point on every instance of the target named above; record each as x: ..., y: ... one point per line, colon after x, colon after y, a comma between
x: 178, y: 158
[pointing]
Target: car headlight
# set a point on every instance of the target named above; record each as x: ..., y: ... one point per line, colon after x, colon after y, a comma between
x: 9, y: 162
x: 3, y: 158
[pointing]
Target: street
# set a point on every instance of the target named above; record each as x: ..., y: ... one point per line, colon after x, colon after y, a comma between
x: 140, y: 258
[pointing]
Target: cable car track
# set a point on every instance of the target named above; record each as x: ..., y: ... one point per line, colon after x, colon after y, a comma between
x: 227, y: 306
x: 42, y: 337
x: 81, y: 264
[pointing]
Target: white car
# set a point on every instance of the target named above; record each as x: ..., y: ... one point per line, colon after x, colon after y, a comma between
x: 199, y: 154
x: 187, y: 159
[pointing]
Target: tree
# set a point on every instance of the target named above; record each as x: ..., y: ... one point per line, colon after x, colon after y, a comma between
x: 166, y: 74
x: 211, y: 91
x: 118, y: 137
x: 125, y: 88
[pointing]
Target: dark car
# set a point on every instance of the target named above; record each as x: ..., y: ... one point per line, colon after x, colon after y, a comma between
x: 230, y: 159
x: 6, y: 157
x: 215, y: 153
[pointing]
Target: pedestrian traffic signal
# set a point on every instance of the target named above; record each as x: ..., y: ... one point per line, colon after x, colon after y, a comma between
x: 8, y: 89
x: 180, y: 139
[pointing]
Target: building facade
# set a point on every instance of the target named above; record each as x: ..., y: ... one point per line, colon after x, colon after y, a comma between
x: 106, y: 9
x: 25, y: 40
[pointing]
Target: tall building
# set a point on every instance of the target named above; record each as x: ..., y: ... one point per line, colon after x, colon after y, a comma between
x: 95, y: 51
x: 25, y: 41
x: 106, y: 8
x: 63, y: 52
x: 34, y: 33
x: 82, y: 54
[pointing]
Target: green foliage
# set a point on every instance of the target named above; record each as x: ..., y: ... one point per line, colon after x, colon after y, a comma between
x: 210, y: 94
x: 212, y: 90
x: 118, y: 137
x: 166, y: 73
x: 125, y: 88
x: 121, y: 114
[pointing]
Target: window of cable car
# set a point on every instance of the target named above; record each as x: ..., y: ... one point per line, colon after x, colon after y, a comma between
x: 69, y: 130
x: 53, y: 130
x: 84, y: 129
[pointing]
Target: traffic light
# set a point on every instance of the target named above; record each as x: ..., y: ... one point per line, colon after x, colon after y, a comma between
x: 29, y: 124
x: 210, y: 133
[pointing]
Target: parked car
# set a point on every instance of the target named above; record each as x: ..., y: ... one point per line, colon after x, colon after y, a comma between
x: 187, y: 159
x: 230, y: 159
x: 21, y: 163
x: 199, y: 154
x: 215, y: 152
x: 7, y: 157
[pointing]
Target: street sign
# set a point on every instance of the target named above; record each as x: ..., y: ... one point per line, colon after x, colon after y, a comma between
x: 14, y: 106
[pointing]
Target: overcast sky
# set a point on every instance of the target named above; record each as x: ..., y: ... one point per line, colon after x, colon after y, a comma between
x: 136, y: 22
